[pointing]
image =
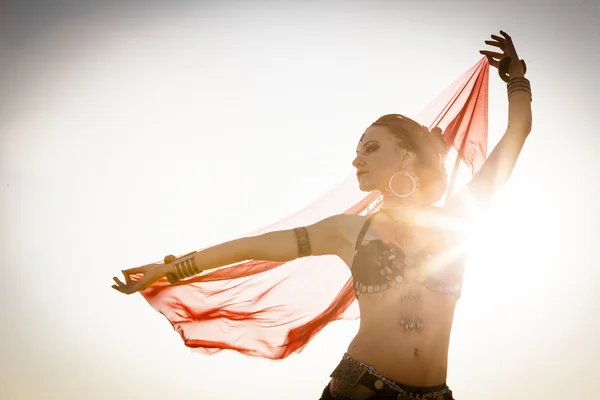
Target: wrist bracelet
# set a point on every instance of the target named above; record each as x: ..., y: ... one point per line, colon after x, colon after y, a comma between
x: 519, y: 84
x: 182, y: 267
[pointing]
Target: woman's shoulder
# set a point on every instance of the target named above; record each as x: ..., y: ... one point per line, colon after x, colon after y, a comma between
x: 338, y: 233
x: 348, y: 226
x: 347, y: 221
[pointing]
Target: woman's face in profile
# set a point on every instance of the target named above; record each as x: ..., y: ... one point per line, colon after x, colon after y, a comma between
x: 379, y: 155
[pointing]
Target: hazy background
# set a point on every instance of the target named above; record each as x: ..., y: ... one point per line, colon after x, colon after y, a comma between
x: 130, y: 130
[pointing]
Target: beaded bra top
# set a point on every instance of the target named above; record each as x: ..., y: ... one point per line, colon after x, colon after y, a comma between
x: 381, y: 264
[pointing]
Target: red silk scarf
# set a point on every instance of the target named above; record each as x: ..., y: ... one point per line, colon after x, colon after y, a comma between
x: 271, y: 309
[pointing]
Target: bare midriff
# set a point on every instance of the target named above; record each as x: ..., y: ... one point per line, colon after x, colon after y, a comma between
x: 412, y: 358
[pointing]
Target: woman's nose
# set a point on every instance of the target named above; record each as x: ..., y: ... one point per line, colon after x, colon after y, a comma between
x: 358, y: 162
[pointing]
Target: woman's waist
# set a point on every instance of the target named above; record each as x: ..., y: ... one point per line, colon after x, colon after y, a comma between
x: 401, y: 346
x: 418, y: 359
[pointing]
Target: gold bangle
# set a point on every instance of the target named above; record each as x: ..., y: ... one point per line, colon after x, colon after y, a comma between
x: 182, y: 267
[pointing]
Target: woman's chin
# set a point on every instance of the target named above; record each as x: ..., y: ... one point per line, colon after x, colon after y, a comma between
x: 365, y: 186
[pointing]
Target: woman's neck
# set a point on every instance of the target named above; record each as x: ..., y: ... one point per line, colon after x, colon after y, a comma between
x: 414, y: 202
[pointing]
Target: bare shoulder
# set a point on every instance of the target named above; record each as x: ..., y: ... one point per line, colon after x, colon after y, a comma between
x: 340, y: 224
x: 335, y: 234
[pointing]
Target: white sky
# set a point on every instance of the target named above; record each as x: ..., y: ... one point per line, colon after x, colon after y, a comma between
x: 130, y: 133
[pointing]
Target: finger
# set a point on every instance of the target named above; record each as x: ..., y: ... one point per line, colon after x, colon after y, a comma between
x: 121, y: 289
x: 506, y: 35
x: 492, y: 62
x: 500, y: 39
x: 495, y: 44
x: 118, y: 281
x: 127, y: 277
x: 134, y: 271
x: 508, y: 40
x: 510, y: 47
x: 492, y: 54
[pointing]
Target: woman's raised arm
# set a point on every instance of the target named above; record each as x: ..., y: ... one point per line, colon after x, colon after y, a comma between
x: 498, y: 167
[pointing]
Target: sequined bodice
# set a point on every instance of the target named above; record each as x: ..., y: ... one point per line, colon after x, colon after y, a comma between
x: 381, y: 264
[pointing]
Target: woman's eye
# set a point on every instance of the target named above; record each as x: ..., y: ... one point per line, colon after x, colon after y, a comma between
x: 371, y: 149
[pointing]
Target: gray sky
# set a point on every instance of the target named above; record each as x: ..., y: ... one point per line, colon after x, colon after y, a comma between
x: 105, y: 104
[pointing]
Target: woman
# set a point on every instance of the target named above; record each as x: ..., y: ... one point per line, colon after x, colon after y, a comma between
x: 405, y: 260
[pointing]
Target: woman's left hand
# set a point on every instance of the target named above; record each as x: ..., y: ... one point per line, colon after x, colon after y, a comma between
x: 151, y: 273
x: 505, y: 44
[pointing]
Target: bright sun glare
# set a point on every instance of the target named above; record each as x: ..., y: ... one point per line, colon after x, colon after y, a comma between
x: 488, y: 230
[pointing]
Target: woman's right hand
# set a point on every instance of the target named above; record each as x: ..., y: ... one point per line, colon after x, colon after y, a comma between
x: 505, y: 44
x: 151, y: 273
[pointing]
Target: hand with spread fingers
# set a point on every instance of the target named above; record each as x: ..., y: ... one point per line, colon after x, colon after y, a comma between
x: 508, y: 63
x: 151, y: 272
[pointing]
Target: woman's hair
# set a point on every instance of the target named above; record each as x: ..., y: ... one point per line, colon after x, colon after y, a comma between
x: 430, y: 149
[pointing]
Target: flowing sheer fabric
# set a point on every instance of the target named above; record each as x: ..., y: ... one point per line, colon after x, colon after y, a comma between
x: 271, y: 309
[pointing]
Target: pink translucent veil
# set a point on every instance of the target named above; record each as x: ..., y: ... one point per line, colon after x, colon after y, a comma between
x: 270, y: 309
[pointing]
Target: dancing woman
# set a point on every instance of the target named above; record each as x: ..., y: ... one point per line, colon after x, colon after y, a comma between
x: 406, y: 259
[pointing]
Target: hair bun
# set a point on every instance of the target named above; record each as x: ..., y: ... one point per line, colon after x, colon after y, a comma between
x: 437, y: 141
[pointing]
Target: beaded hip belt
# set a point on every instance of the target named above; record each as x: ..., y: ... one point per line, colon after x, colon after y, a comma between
x: 353, y: 372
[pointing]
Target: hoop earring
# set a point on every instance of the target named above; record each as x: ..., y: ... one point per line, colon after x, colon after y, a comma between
x: 413, y: 178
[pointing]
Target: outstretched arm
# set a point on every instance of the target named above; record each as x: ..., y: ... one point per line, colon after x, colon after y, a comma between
x: 321, y: 238
x: 498, y: 167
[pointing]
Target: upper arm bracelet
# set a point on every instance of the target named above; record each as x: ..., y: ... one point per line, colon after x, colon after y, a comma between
x: 303, y: 242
